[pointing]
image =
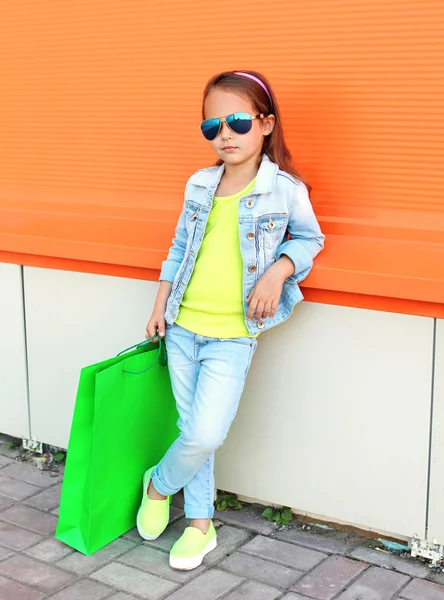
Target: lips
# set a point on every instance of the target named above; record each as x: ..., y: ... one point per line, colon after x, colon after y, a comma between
x: 229, y: 148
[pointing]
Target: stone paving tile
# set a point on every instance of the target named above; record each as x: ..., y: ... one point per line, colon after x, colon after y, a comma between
x: 15, y: 489
x: 35, y: 520
x: 85, y: 589
x: 82, y: 565
x: 31, y: 572
x: 171, y: 534
x: 211, y: 585
x: 56, y: 511
x: 17, y: 538
x: 329, y: 578
x: 156, y: 561
x: 46, y: 500
x: 283, y: 553
x: 228, y: 540
x: 176, y: 513
x: 4, y: 553
x: 8, y: 452
x: 178, y: 500
x: 313, y: 541
x: 11, y: 590
x: 133, y: 536
x: 50, y: 550
x: 12, y: 455
x: 260, y: 570
x: 422, y: 590
x: 381, y: 559
x: 436, y: 577
x: 252, y: 590
x: 30, y: 474
x: 246, y: 520
x: 142, y: 568
x: 5, y: 503
x: 133, y: 581
x: 375, y: 583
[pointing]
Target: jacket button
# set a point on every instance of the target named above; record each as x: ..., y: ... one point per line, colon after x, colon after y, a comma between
x: 250, y: 236
x: 260, y: 324
x: 249, y: 204
x: 252, y: 269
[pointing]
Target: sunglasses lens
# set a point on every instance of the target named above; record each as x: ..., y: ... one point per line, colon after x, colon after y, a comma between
x: 240, y: 122
x: 210, y: 128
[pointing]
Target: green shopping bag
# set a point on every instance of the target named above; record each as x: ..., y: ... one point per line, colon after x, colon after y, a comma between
x: 124, y: 420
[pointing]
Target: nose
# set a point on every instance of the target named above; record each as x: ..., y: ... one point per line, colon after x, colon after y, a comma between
x: 226, y: 132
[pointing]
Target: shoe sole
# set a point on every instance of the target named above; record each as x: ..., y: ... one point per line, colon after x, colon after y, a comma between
x: 186, y: 564
x: 142, y: 534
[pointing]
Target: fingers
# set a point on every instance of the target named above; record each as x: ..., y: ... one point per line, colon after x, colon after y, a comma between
x: 161, y: 327
x: 156, y: 325
x: 252, y: 309
x: 273, y: 309
x: 151, y: 329
x: 259, y: 310
x: 262, y: 309
x: 266, y: 310
x: 270, y: 308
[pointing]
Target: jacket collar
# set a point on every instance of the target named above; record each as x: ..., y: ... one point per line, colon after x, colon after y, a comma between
x: 265, y: 179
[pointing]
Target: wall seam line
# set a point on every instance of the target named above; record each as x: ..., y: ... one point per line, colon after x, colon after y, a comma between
x: 25, y: 331
x: 432, y: 398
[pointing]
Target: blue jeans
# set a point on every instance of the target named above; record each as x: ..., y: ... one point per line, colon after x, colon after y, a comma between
x: 208, y: 377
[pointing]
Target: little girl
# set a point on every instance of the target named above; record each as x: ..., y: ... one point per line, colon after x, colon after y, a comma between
x: 246, y: 237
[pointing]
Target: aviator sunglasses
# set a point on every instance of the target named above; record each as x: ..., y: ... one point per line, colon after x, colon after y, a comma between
x: 238, y: 122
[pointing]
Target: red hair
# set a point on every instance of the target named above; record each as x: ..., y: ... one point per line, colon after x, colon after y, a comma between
x: 274, y: 145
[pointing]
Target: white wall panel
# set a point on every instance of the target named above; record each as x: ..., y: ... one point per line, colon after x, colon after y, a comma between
x: 74, y: 320
x: 334, y: 420
x: 13, y: 387
x: 436, y: 504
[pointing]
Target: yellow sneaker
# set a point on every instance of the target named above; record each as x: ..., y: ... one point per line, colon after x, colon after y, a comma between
x: 153, y: 515
x: 189, y: 550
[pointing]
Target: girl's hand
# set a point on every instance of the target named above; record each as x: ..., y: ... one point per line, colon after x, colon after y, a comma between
x: 264, y: 297
x: 156, y: 324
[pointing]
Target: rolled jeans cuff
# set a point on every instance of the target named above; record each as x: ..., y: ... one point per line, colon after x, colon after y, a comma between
x: 198, y: 512
x: 160, y: 488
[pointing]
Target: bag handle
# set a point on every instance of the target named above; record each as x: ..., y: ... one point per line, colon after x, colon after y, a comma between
x: 161, y: 354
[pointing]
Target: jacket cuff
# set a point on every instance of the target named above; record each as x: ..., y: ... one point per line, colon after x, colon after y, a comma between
x: 301, y: 259
x: 168, y: 271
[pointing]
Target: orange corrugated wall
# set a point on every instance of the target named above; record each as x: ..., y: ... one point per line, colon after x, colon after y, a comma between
x: 100, y: 111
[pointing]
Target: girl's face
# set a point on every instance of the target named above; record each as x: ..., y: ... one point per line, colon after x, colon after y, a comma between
x: 231, y: 147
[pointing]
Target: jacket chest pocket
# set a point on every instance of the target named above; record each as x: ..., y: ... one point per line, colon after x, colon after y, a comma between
x: 271, y: 230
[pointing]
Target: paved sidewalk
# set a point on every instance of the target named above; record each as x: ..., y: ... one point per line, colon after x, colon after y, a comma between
x: 253, y: 560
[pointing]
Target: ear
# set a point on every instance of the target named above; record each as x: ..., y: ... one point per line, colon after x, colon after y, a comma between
x: 268, y: 124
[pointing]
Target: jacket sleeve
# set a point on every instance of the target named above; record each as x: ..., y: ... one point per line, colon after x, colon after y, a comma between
x: 305, y: 239
x: 171, y: 265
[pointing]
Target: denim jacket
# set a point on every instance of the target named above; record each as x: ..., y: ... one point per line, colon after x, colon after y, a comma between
x: 275, y: 218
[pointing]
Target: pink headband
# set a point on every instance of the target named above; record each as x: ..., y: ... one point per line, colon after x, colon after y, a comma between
x: 257, y: 81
